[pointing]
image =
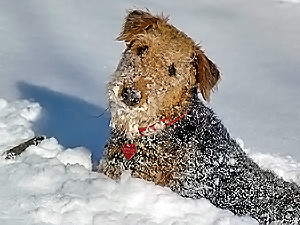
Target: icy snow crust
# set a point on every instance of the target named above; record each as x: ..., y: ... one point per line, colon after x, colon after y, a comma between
x: 48, y: 184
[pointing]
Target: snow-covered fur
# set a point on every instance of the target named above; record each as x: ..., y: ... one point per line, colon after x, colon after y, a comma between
x: 186, y: 149
x: 208, y: 164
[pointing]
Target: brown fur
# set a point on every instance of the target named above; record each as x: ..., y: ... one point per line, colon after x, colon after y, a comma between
x: 163, y: 64
x: 140, y: 23
x: 162, y: 163
x: 163, y: 60
x: 207, y: 74
x: 136, y: 23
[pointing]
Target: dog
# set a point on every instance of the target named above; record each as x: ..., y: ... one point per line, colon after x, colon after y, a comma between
x: 162, y: 130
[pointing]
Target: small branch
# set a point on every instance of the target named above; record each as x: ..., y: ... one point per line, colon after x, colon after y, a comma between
x: 15, y: 151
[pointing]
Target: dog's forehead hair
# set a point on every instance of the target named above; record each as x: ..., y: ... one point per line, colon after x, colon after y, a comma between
x: 139, y: 23
x: 152, y: 54
x: 163, y: 41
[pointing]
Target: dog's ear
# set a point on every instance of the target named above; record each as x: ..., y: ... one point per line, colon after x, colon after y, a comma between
x: 207, y: 73
x: 137, y: 22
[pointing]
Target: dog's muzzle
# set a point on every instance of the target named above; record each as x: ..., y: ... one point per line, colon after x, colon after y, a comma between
x: 131, y: 96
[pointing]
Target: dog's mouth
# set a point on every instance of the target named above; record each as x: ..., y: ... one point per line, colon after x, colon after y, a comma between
x: 130, y: 109
x: 137, y: 109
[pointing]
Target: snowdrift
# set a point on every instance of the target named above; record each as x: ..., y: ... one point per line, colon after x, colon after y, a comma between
x: 49, y: 184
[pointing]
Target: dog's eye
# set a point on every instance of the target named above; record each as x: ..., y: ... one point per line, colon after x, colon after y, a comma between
x: 172, y: 70
x: 141, y: 50
x: 148, y: 27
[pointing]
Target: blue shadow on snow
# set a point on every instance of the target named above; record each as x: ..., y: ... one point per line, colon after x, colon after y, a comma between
x: 72, y: 121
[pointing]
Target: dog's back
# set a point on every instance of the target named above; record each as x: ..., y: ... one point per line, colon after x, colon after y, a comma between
x: 219, y: 170
x: 197, y: 158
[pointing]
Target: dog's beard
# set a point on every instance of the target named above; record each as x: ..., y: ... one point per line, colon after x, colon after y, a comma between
x: 128, y: 119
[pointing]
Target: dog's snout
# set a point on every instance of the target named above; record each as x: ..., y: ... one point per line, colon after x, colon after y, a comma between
x: 131, y: 96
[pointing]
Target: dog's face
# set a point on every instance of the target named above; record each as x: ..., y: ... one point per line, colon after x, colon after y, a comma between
x: 156, y: 73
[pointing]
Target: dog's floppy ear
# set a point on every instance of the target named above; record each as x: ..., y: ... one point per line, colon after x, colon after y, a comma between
x: 207, y: 73
x: 136, y: 22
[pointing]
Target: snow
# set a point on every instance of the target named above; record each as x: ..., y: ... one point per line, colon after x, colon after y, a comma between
x: 49, y: 184
x: 294, y: 1
x: 59, y: 54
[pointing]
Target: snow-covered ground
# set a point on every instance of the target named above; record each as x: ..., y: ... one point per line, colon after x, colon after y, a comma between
x: 49, y: 184
x: 59, y: 54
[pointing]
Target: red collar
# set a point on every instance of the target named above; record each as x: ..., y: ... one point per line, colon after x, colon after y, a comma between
x: 165, y: 121
x: 129, y: 150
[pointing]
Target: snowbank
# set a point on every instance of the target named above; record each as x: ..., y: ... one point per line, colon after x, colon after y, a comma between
x: 48, y: 184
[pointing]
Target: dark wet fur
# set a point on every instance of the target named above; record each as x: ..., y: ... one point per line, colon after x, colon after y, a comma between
x: 213, y: 166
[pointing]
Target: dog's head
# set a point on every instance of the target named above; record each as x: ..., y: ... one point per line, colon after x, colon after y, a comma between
x: 155, y: 76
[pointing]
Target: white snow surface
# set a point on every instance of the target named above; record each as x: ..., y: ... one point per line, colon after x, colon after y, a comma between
x: 48, y: 184
x: 60, y: 53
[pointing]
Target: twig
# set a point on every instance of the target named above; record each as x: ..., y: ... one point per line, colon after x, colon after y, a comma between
x: 15, y: 151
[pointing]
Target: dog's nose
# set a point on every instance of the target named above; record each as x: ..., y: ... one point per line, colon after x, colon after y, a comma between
x: 131, y: 96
